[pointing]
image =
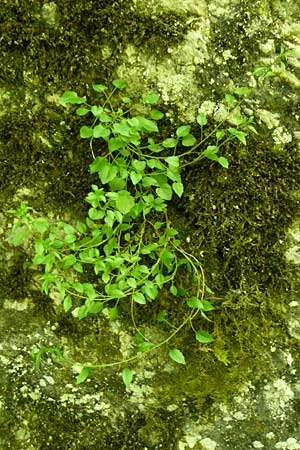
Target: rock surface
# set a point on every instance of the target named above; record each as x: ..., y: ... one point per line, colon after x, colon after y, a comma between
x: 241, y: 393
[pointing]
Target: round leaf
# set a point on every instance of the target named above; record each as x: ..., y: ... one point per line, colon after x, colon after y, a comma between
x: 201, y: 119
x: 204, y: 337
x: 183, y: 130
x: 86, y: 132
x: 155, y: 114
x: 99, y: 87
x: 120, y: 84
x: 189, y: 140
x: 124, y: 201
x: 152, y: 98
x: 170, y: 142
x: 82, y: 111
x: 100, y: 131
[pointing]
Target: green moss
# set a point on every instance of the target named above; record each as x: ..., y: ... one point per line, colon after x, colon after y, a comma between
x: 235, y: 219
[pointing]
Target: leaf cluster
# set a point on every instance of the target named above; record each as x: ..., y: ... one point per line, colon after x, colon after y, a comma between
x: 126, y: 240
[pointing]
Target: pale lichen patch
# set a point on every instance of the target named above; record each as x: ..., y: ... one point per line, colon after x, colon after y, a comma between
x: 278, y: 394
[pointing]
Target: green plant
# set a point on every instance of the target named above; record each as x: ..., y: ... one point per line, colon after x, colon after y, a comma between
x: 277, y: 68
x: 126, y: 249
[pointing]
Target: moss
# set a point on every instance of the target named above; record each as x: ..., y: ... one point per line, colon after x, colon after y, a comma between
x: 236, y: 219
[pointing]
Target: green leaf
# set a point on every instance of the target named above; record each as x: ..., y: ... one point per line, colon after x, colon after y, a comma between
x: 229, y: 99
x: 172, y: 161
x: 240, y: 135
x: 178, y: 189
x: 149, y: 181
x: 152, y: 98
x: 147, y: 249
x: 96, y: 166
x: 211, y: 152
x: 224, y: 162
x: 99, y: 87
x: 117, y: 184
x: 78, y: 267
x: 115, y: 144
x: 160, y: 279
x: 182, y: 131
x: 204, y: 337
x: 67, y: 303
x: 150, y: 289
x: 173, y: 174
x: 104, y: 118
x: 135, y: 177
x: 167, y: 258
x: 82, y: 111
x: 154, y: 163
x: 138, y: 165
x: 81, y: 227
x: 195, y: 302
x: 83, y: 375
x: 78, y: 287
x: 41, y: 224
x: 242, y: 91
x: 251, y: 128
x: 121, y: 128
x: 201, y: 119
x: 203, y: 305
x: 126, y: 100
x: 108, y: 248
x: 124, y: 201
x: 173, y: 289
x: 107, y: 172
x: 164, y: 191
x: 207, y: 306
x: 146, y: 124
x: 96, y: 214
x: 127, y: 377
x: 101, y: 131
x: 138, y: 297
x: 189, y: 140
x: 162, y: 315
x: 158, y: 225
x: 155, y: 114
x: 182, y: 291
x: 97, y: 111
x: 18, y: 237
x: 238, y: 120
x: 131, y: 282
x: 95, y: 307
x: 155, y: 148
x: 113, y: 313
x: 71, y: 97
x: 144, y: 347
x: 86, y: 132
x: 170, y: 142
x: 114, y: 291
x: 259, y: 70
x: 40, y: 246
x: 120, y: 84
x: 177, y: 356
x: 68, y: 261
x: 105, y: 277
x: 220, y: 134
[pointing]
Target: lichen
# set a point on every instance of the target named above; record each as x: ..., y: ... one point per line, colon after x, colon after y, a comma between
x: 240, y: 392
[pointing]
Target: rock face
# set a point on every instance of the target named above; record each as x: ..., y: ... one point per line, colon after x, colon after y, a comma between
x: 242, y: 391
